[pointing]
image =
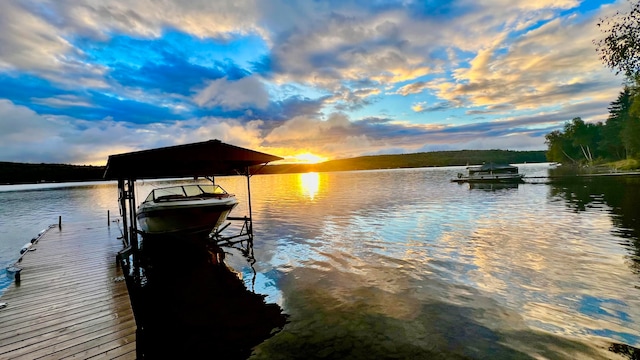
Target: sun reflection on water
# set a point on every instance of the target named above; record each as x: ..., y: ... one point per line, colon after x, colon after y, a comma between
x: 309, y: 184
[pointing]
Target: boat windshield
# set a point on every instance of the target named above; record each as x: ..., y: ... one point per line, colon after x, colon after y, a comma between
x: 185, y: 191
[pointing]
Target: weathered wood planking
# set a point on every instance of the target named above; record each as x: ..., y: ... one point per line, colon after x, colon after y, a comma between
x: 72, y: 300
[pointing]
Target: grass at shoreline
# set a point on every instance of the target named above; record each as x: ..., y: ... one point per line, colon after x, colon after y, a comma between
x: 627, y: 164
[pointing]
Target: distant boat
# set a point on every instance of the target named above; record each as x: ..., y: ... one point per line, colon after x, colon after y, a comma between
x: 491, y: 172
x: 194, y: 208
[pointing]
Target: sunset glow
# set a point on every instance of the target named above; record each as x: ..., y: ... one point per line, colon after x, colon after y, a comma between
x: 308, y: 158
x: 308, y: 81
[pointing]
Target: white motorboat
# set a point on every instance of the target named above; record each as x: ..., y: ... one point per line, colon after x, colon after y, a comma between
x: 491, y: 172
x: 193, y: 208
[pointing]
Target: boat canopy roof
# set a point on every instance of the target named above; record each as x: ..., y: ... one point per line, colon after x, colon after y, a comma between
x: 493, y: 167
x: 206, y: 158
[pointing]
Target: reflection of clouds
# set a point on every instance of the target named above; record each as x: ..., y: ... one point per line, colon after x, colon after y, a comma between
x: 540, y: 263
x: 386, y: 243
x: 338, y: 312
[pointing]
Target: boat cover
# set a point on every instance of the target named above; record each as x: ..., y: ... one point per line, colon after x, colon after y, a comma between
x: 494, y: 167
x: 208, y: 158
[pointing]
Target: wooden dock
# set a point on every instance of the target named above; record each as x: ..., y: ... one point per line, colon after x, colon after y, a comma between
x: 71, y: 300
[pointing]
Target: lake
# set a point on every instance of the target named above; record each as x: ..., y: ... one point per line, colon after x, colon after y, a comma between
x: 404, y: 263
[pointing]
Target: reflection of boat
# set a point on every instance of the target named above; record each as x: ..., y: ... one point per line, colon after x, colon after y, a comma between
x: 492, y: 186
x: 491, y: 172
x: 185, y: 208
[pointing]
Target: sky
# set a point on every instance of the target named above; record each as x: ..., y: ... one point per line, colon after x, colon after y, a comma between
x: 304, y: 80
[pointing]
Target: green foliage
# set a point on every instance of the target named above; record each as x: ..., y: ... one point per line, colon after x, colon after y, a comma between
x: 558, y: 145
x: 620, y: 48
x: 611, y: 145
x: 620, y: 51
x: 577, y: 143
x: 631, y: 127
x: 617, y: 139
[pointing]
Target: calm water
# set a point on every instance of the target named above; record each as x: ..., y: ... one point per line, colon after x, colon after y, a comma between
x: 406, y: 264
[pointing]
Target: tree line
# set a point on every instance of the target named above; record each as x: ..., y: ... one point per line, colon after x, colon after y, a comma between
x: 23, y: 173
x: 618, y: 138
x: 415, y: 160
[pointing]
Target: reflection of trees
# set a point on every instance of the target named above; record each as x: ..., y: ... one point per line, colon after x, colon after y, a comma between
x: 620, y: 193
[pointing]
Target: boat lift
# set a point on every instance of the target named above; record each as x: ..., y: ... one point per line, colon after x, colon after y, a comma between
x: 203, y: 159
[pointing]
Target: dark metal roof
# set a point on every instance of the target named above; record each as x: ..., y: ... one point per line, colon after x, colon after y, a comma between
x: 206, y: 158
x: 497, y: 166
x: 493, y: 167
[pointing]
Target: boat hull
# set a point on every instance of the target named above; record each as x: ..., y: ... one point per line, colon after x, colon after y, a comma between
x: 184, y: 217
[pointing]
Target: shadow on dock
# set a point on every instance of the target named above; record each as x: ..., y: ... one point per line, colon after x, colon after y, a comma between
x: 190, y: 305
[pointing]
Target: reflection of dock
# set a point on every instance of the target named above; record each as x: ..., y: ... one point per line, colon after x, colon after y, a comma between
x: 586, y: 175
x: 71, y: 300
x: 552, y: 178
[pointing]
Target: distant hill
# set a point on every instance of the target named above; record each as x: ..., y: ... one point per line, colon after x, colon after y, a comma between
x: 19, y: 173
x: 22, y: 173
x: 425, y: 159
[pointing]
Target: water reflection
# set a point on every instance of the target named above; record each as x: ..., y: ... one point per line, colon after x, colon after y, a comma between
x: 619, y: 196
x: 195, y: 306
x: 309, y: 184
x: 492, y: 186
x: 455, y: 273
x: 426, y: 268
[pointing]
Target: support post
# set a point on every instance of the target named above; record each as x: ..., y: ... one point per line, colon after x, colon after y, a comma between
x: 250, y: 226
x: 60, y: 222
x: 133, y: 230
x: 122, y: 198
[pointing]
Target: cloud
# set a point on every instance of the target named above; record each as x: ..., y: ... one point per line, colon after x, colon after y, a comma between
x: 413, y: 88
x: 548, y: 65
x: 422, y: 107
x: 233, y: 95
x: 28, y: 137
x: 28, y: 41
x: 286, y: 75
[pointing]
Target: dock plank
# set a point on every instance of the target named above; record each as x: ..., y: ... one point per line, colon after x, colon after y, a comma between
x: 72, y: 301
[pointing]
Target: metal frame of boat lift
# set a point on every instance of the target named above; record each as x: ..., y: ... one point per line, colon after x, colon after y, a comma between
x: 204, y: 159
x: 130, y: 231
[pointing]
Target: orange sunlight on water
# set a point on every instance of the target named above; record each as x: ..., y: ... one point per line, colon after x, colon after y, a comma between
x: 309, y: 184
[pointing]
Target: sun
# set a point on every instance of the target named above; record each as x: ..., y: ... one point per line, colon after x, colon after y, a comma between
x: 309, y: 158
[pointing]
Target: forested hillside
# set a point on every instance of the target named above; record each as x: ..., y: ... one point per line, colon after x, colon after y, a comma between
x: 19, y: 173
x: 426, y: 159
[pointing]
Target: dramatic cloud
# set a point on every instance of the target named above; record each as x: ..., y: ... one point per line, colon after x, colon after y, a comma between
x: 233, y: 94
x: 80, y: 79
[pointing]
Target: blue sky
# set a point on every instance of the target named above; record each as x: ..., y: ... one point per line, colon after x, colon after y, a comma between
x: 83, y: 79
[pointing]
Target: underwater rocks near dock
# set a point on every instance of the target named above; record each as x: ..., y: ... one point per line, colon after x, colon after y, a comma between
x: 193, y: 306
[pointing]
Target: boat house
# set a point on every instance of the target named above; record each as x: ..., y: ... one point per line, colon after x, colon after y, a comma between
x: 204, y: 159
x: 179, y: 270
